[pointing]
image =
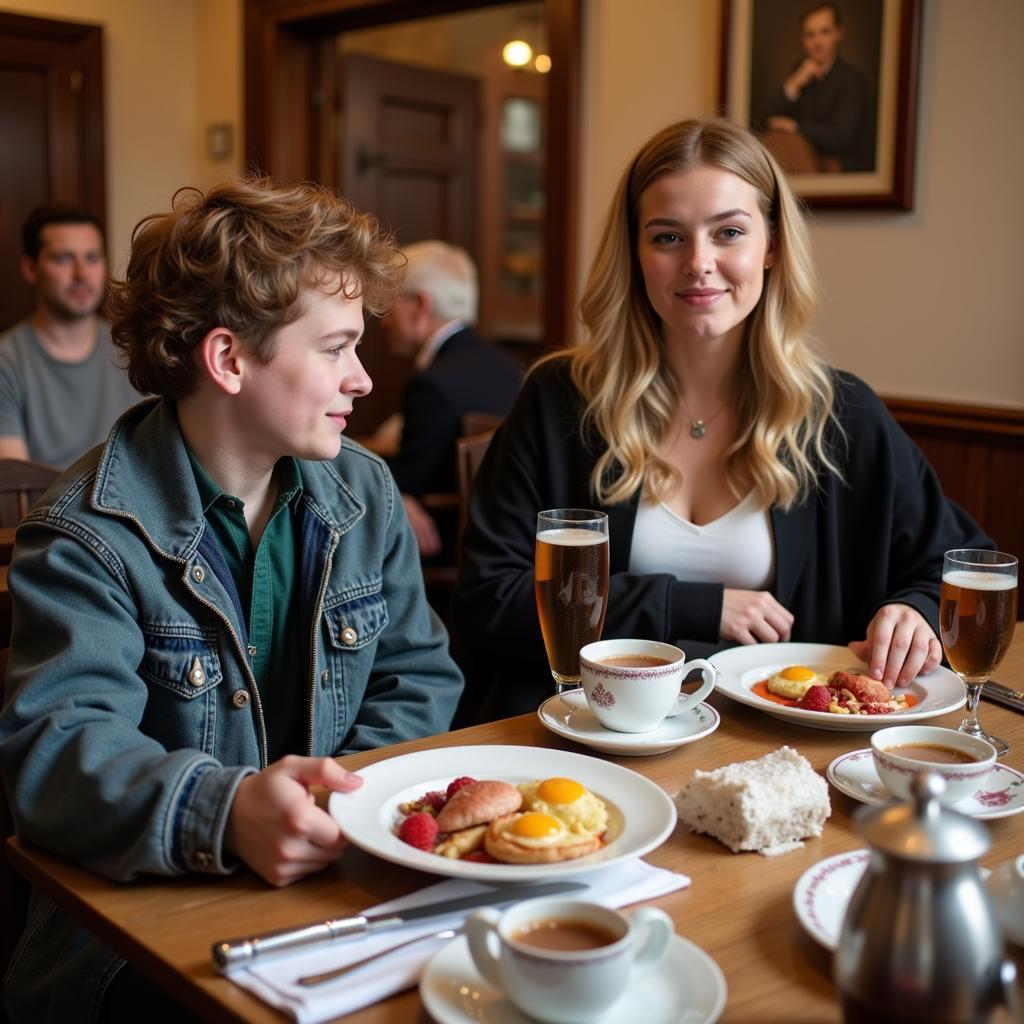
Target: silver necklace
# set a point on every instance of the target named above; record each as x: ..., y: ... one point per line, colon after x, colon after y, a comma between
x: 699, y: 427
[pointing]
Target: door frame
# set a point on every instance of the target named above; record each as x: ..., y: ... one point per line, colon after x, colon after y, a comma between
x: 288, y: 74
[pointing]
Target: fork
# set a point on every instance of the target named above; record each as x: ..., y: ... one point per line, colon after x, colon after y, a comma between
x: 317, y: 979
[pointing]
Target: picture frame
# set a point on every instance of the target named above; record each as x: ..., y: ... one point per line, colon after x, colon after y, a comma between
x: 845, y: 136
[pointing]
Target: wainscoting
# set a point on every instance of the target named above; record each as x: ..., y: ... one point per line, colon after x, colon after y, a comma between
x: 978, y: 453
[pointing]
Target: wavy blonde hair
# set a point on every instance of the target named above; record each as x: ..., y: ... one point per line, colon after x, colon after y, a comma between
x: 240, y: 256
x: 782, y: 389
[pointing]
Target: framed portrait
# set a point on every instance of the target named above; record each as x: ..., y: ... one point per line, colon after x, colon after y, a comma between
x: 831, y: 89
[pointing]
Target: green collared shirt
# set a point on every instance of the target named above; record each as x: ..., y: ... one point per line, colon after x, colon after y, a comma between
x: 268, y: 586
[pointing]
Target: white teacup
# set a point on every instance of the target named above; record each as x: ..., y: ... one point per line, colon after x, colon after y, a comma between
x: 634, y: 685
x: 587, y: 957
x: 900, y: 752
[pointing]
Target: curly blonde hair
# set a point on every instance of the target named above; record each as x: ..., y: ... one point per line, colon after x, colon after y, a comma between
x: 239, y: 256
x: 782, y: 389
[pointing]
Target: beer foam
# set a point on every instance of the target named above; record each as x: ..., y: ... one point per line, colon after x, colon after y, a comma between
x: 572, y: 537
x: 979, y: 580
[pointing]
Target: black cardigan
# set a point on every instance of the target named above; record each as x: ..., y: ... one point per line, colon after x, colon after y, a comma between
x: 874, y: 537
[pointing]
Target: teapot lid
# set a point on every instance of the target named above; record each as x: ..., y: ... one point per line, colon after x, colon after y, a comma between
x: 923, y: 829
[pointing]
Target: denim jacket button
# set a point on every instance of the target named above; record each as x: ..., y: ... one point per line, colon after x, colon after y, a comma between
x: 196, y: 675
x: 198, y: 573
x: 324, y: 677
x: 204, y: 858
x: 349, y: 636
x: 240, y: 698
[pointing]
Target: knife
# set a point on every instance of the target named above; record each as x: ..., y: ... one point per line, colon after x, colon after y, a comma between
x: 999, y: 694
x: 233, y: 953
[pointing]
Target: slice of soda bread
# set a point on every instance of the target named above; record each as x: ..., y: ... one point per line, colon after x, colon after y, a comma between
x: 759, y: 804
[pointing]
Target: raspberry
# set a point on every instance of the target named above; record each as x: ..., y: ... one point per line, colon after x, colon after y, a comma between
x: 457, y: 784
x: 432, y: 801
x: 817, y: 698
x: 419, y: 830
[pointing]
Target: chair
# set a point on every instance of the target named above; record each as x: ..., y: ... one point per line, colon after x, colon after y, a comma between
x: 21, y: 485
x: 13, y: 888
x: 470, y: 453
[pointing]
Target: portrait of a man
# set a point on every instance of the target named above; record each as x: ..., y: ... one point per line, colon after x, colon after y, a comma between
x: 814, y: 83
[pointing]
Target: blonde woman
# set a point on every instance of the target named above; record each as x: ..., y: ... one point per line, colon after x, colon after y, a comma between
x: 753, y: 493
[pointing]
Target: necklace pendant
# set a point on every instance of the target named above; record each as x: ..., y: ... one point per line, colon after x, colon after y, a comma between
x: 698, y: 429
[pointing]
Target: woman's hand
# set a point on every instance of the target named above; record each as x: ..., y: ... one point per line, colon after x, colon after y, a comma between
x: 275, y: 825
x: 899, y: 647
x: 754, y: 616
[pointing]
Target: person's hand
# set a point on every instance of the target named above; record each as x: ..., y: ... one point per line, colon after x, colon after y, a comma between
x: 275, y: 825
x: 427, y: 538
x: 900, y: 645
x: 754, y: 616
x: 779, y: 123
x: 808, y: 71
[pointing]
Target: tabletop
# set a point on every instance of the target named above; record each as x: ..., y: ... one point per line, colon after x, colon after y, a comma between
x: 738, y: 908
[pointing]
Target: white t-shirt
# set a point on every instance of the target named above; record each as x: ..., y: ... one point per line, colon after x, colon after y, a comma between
x: 736, y: 549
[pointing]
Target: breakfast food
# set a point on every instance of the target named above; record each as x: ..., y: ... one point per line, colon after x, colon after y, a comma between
x: 767, y: 804
x: 838, y: 693
x: 536, y: 838
x: 538, y: 822
x: 478, y: 803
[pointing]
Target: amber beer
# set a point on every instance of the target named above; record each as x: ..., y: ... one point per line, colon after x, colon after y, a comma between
x: 977, y: 612
x: 571, y: 587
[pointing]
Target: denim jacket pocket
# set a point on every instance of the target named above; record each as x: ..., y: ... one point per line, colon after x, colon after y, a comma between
x: 187, y: 664
x: 356, y: 623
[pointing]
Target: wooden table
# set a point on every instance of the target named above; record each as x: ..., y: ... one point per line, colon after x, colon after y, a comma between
x: 738, y: 908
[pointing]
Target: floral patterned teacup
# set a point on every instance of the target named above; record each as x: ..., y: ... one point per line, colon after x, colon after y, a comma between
x: 634, y: 685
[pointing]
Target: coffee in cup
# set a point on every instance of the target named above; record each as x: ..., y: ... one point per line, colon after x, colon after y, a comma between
x: 634, y: 685
x: 566, y: 961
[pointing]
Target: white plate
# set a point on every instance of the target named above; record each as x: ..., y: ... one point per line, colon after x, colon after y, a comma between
x: 854, y: 774
x: 640, y: 814
x: 570, y: 716
x: 454, y: 991
x: 739, y: 668
x: 823, y: 891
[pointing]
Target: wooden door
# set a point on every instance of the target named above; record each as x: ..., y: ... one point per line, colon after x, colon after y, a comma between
x: 51, y: 124
x: 408, y: 153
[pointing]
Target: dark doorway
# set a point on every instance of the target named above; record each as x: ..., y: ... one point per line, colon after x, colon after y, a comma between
x: 51, y: 123
x: 408, y: 153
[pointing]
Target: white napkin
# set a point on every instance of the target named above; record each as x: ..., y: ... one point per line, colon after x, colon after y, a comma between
x: 274, y: 980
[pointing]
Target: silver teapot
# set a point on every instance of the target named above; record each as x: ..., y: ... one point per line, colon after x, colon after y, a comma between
x: 920, y: 940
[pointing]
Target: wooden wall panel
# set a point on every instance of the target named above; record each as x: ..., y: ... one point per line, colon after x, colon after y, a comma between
x: 978, y: 454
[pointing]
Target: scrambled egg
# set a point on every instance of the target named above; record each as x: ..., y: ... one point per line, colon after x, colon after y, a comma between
x: 568, y: 802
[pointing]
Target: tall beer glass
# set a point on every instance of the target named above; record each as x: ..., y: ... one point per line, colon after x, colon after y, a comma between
x: 571, y: 586
x: 977, y: 613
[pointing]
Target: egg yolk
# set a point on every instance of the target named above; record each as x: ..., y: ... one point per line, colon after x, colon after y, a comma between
x: 797, y: 673
x: 559, y: 791
x: 535, y: 825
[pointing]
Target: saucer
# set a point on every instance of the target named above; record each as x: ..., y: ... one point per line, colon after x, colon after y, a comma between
x: 823, y: 891
x: 570, y: 716
x: 454, y: 992
x: 854, y: 774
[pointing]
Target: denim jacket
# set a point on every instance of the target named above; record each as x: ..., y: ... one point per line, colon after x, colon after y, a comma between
x: 132, y: 712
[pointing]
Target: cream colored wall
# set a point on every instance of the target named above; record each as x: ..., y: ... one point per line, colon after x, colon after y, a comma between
x: 163, y: 62
x: 927, y: 304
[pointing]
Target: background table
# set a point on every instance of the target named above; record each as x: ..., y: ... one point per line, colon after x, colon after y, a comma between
x: 739, y: 907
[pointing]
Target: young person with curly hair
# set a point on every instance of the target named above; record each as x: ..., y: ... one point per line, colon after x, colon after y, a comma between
x: 753, y: 493
x: 224, y: 596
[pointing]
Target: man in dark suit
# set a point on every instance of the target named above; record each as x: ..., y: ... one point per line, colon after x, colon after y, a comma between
x: 825, y: 99
x: 456, y: 372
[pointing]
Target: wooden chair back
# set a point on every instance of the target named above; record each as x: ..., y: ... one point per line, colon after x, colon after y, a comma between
x: 21, y: 485
x: 480, y: 423
x: 13, y: 888
x: 470, y: 452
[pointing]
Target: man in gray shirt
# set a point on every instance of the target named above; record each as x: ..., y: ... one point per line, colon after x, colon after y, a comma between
x: 60, y: 390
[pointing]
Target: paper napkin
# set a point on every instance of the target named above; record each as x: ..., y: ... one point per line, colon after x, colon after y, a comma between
x: 274, y: 980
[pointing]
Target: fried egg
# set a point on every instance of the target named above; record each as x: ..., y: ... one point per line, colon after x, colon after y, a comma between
x: 567, y: 801
x: 793, y: 681
x: 535, y: 830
